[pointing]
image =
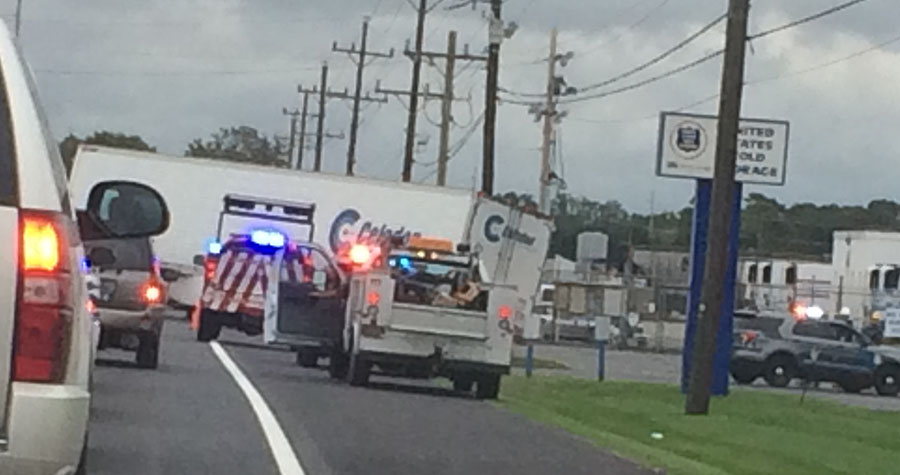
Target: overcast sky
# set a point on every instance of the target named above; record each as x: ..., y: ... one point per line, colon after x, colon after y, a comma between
x: 175, y: 70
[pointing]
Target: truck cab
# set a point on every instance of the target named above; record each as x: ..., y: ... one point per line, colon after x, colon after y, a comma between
x: 426, y: 310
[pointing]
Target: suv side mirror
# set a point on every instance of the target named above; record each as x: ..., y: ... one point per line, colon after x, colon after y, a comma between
x: 123, y: 209
x: 199, y: 260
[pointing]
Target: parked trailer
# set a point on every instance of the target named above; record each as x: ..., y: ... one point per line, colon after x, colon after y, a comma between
x: 512, y: 243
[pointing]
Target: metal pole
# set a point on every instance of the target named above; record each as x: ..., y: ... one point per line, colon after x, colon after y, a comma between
x: 601, y: 360
x: 723, y: 186
x: 18, y: 17
x: 321, y: 129
x: 292, y: 141
x: 490, y: 98
x: 549, y: 116
x: 409, y: 157
x: 529, y: 359
x: 447, y: 110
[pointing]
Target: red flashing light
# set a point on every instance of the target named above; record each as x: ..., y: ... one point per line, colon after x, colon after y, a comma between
x: 505, y: 312
x: 373, y: 298
x: 151, y: 292
x: 360, y: 254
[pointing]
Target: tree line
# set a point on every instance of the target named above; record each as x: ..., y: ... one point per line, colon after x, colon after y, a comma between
x: 768, y: 227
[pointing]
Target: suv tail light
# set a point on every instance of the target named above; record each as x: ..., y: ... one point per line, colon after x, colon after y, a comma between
x: 152, y: 292
x: 44, y: 304
x: 505, y: 312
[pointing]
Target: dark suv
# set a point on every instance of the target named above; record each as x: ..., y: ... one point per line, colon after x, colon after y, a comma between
x: 816, y: 351
x: 131, y: 296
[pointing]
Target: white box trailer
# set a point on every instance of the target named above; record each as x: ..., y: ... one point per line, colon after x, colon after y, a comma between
x: 513, y: 244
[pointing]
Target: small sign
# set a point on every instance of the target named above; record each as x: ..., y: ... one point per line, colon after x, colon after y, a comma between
x: 892, y: 323
x: 687, y: 148
x: 601, y: 328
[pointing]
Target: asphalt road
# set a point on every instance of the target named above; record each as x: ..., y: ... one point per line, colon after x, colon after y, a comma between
x: 190, y: 417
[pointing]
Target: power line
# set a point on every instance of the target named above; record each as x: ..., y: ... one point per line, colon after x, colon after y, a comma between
x: 702, y: 60
x: 148, y: 73
x: 658, y: 58
x: 807, y: 19
x: 630, y: 27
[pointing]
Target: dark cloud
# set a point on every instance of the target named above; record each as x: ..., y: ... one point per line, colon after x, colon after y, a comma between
x: 173, y: 70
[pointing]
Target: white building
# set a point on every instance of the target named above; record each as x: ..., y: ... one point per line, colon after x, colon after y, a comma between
x: 773, y: 284
x: 867, y: 270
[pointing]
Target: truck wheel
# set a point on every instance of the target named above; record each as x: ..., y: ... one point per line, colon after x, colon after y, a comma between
x: 209, y: 327
x: 779, y: 370
x: 148, y: 351
x: 488, y: 386
x: 338, y: 364
x: 462, y: 384
x: 887, y: 380
x: 307, y: 358
x: 359, y: 370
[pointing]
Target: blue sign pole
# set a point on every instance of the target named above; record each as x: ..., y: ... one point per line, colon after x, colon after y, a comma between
x: 529, y: 359
x: 601, y: 360
x: 699, y: 235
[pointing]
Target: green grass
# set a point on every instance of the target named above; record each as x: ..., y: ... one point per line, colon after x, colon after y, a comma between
x: 746, y: 433
x: 538, y: 363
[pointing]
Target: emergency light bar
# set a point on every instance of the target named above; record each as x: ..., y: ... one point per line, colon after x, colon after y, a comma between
x: 262, y: 237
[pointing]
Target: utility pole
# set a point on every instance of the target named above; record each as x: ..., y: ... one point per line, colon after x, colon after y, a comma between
x: 490, y: 112
x: 446, y: 110
x: 18, y: 17
x: 697, y: 401
x: 304, y: 114
x: 549, y: 117
x: 357, y: 96
x: 292, y: 139
x: 414, y: 93
x: 320, y: 129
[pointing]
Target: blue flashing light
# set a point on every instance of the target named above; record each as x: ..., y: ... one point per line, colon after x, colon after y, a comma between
x: 405, y: 263
x: 86, y: 265
x: 392, y: 262
x: 262, y: 237
x: 214, y: 247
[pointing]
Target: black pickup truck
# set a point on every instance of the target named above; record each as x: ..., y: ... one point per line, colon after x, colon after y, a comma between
x: 815, y: 351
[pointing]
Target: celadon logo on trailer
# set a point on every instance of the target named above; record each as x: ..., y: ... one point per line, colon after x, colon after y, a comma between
x: 348, y: 227
x: 495, y: 228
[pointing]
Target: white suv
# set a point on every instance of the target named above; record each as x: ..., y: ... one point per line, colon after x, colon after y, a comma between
x: 46, y: 341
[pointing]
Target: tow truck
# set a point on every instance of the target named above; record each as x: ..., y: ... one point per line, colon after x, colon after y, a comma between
x: 422, y: 310
x: 239, y: 272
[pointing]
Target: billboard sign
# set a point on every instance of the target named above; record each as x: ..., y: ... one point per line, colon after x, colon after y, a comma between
x: 687, y: 148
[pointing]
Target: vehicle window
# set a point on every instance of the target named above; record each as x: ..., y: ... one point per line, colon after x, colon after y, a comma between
x: 790, y: 275
x: 874, y: 278
x: 440, y: 283
x: 752, y: 273
x: 128, y: 254
x: 767, y: 275
x: 891, y: 279
x: 308, y: 265
x: 847, y: 335
x: 60, y: 177
x: 815, y: 330
x: 547, y: 295
x: 9, y: 192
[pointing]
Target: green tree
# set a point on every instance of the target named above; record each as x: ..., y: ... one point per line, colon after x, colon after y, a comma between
x: 69, y: 146
x: 241, y: 144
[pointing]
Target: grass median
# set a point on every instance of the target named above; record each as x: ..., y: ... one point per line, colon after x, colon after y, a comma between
x: 748, y: 432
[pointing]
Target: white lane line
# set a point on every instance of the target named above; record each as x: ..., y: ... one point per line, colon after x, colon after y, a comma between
x: 285, y: 458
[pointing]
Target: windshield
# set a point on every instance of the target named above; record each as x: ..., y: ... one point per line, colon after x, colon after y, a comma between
x: 121, y: 254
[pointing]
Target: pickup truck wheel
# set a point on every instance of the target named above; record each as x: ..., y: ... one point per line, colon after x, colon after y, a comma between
x: 148, y: 351
x: 488, y: 386
x: 307, y: 358
x: 887, y: 380
x: 779, y: 370
x: 209, y: 327
x: 359, y: 371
